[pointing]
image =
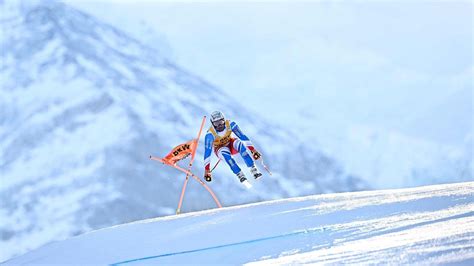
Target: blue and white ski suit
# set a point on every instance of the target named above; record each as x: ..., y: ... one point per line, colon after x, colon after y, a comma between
x: 224, y: 146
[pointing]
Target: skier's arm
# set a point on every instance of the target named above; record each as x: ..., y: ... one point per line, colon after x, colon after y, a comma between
x: 245, y: 140
x: 209, y: 139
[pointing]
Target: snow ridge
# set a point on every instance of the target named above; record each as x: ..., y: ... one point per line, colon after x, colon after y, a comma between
x: 424, y: 225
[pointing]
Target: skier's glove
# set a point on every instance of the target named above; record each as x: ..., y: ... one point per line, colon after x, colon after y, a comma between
x: 208, y: 176
x: 256, y: 155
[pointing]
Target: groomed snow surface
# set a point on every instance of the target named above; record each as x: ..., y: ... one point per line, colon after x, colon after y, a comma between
x: 425, y: 225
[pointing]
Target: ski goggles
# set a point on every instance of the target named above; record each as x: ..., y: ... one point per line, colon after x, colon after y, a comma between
x: 218, y: 123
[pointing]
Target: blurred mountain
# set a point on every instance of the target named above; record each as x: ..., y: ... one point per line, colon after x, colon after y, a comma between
x: 387, y: 158
x: 448, y: 121
x: 84, y: 105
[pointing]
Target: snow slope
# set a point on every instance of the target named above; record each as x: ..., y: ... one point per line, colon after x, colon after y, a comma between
x: 424, y: 225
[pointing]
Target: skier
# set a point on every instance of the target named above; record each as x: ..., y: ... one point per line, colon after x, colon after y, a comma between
x: 219, y: 137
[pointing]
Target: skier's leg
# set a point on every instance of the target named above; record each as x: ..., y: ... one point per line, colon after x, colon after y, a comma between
x: 224, y: 154
x: 238, y: 146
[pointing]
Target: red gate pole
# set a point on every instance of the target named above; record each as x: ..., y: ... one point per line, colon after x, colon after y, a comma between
x: 190, y: 174
x: 178, y: 210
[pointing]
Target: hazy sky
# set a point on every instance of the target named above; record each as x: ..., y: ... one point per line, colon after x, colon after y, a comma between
x: 390, y: 64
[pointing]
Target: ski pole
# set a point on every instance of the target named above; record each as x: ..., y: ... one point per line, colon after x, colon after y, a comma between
x: 215, y: 165
x: 264, y: 166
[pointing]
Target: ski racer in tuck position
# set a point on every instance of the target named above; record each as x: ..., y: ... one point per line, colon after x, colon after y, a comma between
x: 220, y: 139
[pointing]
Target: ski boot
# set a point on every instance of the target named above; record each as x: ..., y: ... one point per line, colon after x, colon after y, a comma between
x: 255, y: 172
x: 243, y: 179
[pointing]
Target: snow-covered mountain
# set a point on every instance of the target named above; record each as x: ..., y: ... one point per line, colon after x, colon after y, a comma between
x: 388, y: 158
x: 431, y: 225
x: 83, y: 106
x: 386, y: 123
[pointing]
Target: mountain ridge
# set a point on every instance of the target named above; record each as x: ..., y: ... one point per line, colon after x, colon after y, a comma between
x: 83, y: 108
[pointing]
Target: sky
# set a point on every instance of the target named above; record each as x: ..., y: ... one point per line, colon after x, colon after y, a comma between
x: 399, y: 65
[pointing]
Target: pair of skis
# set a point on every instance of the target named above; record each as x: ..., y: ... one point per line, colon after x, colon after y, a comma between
x: 246, y: 183
x: 261, y: 162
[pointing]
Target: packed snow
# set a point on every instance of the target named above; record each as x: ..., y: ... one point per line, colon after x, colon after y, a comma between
x: 425, y: 225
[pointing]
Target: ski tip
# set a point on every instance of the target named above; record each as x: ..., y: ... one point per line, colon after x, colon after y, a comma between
x: 247, y: 184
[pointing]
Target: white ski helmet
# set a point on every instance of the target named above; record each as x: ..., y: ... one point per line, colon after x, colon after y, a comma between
x: 218, y: 120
